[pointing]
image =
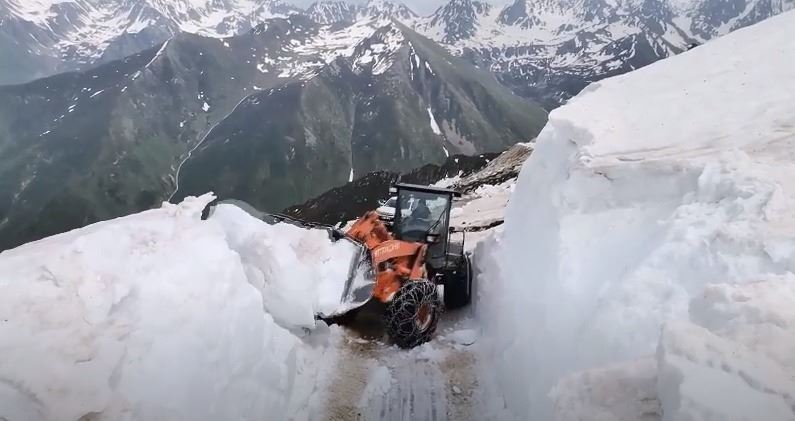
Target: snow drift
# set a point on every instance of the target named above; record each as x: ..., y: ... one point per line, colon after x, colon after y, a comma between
x: 661, y: 198
x: 155, y: 316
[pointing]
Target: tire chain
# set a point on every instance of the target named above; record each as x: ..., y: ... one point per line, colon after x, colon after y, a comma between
x: 402, y: 313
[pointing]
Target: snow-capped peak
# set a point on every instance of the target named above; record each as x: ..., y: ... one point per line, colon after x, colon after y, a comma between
x: 388, y: 9
x: 459, y: 19
x: 332, y: 11
x: 368, y: 44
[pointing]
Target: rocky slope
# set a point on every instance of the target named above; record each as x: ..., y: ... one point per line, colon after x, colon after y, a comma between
x: 274, y: 117
x: 394, y: 101
x: 348, y: 202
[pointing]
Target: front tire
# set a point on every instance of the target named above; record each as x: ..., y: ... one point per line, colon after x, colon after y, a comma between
x: 413, y: 314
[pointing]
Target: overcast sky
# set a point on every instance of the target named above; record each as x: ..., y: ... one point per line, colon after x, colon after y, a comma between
x: 423, y: 7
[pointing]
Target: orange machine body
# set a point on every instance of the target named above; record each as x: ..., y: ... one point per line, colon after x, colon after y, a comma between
x: 395, y: 262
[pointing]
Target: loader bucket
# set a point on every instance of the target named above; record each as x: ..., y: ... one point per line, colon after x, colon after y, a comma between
x: 359, y: 286
x: 360, y: 282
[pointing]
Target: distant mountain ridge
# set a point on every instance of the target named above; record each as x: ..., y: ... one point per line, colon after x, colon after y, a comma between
x: 549, y: 50
x: 546, y: 50
x: 44, y: 37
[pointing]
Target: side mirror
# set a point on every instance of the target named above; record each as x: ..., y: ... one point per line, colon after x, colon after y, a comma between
x: 432, y: 238
x: 381, y: 202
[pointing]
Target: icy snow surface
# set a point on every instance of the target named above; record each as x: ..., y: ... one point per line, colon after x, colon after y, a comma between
x: 661, y: 198
x: 154, y: 317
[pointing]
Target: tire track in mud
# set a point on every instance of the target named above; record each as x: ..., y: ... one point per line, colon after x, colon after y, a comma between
x: 355, y: 361
x: 418, y: 392
x: 376, y: 381
x: 462, y: 384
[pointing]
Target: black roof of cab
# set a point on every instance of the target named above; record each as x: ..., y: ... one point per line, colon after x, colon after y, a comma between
x: 427, y: 189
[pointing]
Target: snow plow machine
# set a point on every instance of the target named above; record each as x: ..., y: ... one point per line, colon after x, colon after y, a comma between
x: 417, y: 267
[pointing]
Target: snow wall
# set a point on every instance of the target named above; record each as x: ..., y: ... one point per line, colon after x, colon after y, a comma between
x: 160, y: 315
x: 645, y: 268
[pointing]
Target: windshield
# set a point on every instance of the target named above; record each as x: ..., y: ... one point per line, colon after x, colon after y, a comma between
x: 391, y: 202
x: 421, y: 213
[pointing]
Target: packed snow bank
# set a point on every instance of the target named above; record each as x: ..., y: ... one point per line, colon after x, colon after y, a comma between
x: 147, y: 317
x: 644, y: 193
x: 620, y: 392
x: 736, y: 359
x: 300, y: 272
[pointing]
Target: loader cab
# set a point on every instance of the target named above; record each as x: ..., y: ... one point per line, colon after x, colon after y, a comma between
x: 422, y: 214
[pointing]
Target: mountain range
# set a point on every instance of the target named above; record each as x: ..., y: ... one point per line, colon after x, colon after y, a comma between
x: 274, y: 116
x: 546, y: 50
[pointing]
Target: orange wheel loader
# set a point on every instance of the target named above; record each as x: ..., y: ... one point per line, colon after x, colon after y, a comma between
x: 417, y: 268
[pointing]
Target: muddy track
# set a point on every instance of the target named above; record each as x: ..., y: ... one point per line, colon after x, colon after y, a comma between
x: 377, y: 381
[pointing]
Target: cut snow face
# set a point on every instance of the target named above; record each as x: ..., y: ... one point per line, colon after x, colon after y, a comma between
x: 662, y: 195
x: 299, y: 272
x: 146, y: 317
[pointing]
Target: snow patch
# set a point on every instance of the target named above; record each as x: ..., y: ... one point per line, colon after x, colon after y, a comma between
x: 434, y: 125
x: 159, y: 53
x: 428, y: 66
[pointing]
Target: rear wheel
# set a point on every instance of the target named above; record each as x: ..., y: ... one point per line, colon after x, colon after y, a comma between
x: 413, y: 314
